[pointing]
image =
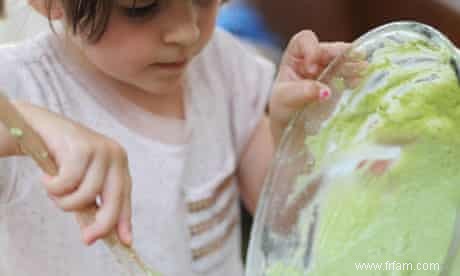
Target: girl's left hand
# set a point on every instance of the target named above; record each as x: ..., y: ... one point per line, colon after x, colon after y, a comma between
x: 296, y: 85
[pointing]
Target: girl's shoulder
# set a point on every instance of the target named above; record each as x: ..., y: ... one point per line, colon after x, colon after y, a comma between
x: 229, y: 52
x: 26, y: 51
x: 18, y: 61
x: 232, y: 63
x: 11, y: 71
x: 10, y: 59
x: 239, y: 81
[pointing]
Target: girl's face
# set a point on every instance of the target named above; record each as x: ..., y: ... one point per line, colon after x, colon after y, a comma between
x: 149, y: 46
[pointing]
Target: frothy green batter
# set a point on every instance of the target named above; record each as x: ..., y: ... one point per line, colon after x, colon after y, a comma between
x: 410, y: 96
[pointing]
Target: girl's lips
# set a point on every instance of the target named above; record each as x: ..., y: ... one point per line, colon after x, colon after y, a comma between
x: 171, y: 65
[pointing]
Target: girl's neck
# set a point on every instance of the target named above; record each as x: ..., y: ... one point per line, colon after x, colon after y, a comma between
x: 168, y: 105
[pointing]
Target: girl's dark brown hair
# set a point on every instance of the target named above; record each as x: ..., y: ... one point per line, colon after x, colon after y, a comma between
x: 89, y: 17
x: 2, y: 8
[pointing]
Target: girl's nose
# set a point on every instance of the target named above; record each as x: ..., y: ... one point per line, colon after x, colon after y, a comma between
x: 183, y: 29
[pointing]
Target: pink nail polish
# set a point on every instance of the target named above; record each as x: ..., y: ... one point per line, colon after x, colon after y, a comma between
x: 312, y: 69
x: 324, y: 95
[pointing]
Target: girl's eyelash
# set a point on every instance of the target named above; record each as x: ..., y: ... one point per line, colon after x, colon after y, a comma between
x: 141, y: 12
x: 203, y: 2
x: 151, y: 9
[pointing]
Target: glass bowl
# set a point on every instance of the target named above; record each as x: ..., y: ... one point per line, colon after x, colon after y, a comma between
x: 368, y: 183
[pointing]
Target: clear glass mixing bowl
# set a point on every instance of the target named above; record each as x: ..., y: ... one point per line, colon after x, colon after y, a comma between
x: 368, y: 183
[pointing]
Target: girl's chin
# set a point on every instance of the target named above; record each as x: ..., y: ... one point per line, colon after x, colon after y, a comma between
x: 166, y: 86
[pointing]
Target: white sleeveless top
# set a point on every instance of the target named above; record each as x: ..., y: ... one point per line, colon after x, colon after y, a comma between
x: 185, y: 192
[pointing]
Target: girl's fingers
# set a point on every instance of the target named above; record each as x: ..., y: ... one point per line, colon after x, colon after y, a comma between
x: 71, y: 172
x: 352, y: 69
x: 90, y: 187
x: 331, y: 50
x: 289, y: 97
x: 124, y: 221
x: 306, y: 57
x: 302, y: 57
x: 90, y: 165
x: 112, y: 202
x: 297, y: 94
x: 353, y: 72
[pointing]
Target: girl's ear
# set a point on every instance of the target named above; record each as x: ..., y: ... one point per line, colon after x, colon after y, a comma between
x: 48, y: 8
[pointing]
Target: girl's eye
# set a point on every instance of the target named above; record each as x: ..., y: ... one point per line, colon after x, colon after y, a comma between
x: 141, y: 11
x: 204, y: 2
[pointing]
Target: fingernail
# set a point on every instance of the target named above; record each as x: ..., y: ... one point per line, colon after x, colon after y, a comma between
x: 129, y: 234
x: 324, y: 94
x: 312, y: 69
x: 84, y: 239
x: 129, y: 238
x: 87, y: 238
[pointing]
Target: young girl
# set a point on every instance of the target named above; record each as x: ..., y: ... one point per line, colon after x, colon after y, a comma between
x: 154, y: 82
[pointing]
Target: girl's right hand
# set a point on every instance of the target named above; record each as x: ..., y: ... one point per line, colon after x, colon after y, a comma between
x: 91, y: 166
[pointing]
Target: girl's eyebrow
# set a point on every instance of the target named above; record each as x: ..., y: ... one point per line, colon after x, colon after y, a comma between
x: 130, y: 3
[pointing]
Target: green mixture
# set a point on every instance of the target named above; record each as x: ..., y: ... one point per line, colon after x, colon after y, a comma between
x: 410, y: 96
